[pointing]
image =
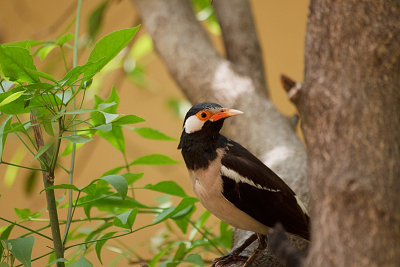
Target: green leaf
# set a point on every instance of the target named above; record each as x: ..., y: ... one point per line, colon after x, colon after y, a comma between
x: 3, y: 133
x: 68, y: 149
x: 169, y: 212
x: 64, y: 39
x: 182, y: 213
x: 82, y: 262
x: 21, y: 248
x: 115, y: 137
x: 107, y: 48
x: 45, y: 50
x: 109, y: 117
x: 17, y: 106
x: 27, y: 44
x: 96, y: 19
x: 142, y: 47
x: 26, y: 214
x: 106, y: 105
x: 103, y: 127
x: 118, y: 182
x: 78, y: 138
x: 132, y: 177
x: 43, y: 75
x: 15, y: 63
x: 126, y: 219
x: 79, y: 111
x: 42, y: 150
x: 169, y: 187
x: 6, y: 85
x: 225, y: 234
x: 101, y: 243
x: 195, y: 259
x: 114, y: 171
x: 11, y: 98
x: 5, y: 233
x: 180, y: 252
x: 151, y: 133
x: 61, y: 186
x: 73, y: 75
x: 57, y: 260
x: 153, y: 159
x: 127, y: 119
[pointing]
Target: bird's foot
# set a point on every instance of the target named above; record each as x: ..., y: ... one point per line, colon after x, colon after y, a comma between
x: 262, y: 244
x: 231, y: 257
x: 234, y: 254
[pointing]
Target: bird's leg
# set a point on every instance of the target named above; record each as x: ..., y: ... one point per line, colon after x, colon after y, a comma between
x: 262, y: 244
x: 234, y: 254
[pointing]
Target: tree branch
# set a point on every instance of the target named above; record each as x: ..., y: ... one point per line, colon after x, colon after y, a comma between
x: 240, y: 39
x: 292, y: 88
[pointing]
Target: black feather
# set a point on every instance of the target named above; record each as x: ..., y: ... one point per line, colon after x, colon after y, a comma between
x: 279, y: 206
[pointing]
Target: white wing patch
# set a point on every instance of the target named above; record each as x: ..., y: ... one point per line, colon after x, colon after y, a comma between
x: 300, y: 203
x: 193, y: 124
x: 238, y: 178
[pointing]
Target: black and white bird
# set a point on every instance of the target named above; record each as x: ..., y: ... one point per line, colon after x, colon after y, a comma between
x: 233, y: 184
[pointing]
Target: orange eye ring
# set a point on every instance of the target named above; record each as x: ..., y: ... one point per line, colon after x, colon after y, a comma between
x: 203, y: 115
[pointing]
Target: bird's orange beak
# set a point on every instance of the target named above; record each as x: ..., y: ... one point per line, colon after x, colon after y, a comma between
x: 225, y: 113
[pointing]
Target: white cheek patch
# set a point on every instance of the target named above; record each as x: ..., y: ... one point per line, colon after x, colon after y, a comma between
x: 193, y: 124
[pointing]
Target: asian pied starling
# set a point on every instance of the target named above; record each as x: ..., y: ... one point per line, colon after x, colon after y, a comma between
x: 233, y: 184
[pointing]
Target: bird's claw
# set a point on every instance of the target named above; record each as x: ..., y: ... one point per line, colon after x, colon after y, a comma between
x: 227, y: 259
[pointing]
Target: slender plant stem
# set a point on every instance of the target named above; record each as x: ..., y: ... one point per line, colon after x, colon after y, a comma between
x: 205, y: 235
x: 111, y: 237
x: 20, y: 166
x: 72, y: 167
x: 36, y: 230
x: 1, y: 85
x: 26, y: 133
x: 64, y: 59
x: 26, y: 228
x: 25, y: 144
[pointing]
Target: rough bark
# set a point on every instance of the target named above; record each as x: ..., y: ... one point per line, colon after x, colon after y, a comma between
x: 350, y: 105
x: 237, y: 81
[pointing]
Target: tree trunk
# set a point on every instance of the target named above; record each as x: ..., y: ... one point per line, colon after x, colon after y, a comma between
x: 350, y: 105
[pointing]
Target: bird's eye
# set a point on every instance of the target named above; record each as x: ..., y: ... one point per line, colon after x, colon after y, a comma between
x: 203, y: 115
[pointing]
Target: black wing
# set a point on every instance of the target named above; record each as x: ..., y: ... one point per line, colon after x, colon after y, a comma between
x: 260, y: 192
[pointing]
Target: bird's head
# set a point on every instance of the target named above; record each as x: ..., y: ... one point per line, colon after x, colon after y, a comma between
x: 206, y: 119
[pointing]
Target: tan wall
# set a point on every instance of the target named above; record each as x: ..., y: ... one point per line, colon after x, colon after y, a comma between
x: 281, y: 27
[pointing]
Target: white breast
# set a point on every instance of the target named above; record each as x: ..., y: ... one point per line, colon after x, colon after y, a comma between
x: 207, y: 185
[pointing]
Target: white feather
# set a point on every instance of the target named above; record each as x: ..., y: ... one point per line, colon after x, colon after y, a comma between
x: 238, y: 178
x: 300, y: 203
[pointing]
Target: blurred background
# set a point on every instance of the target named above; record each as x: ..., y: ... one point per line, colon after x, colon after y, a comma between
x: 145, y: 89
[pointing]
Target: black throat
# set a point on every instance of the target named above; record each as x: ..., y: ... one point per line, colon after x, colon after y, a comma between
x: 199, y: 150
